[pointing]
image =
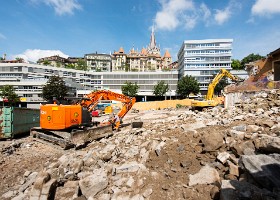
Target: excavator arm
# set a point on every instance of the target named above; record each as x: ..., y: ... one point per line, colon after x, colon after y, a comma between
x: 216, y: 80
x: 91, y: 100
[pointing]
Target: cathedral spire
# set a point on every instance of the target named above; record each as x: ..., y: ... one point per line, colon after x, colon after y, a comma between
x: 153, y: 39
x: 152, y: 48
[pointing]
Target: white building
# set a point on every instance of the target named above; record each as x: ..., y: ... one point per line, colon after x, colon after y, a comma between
x: 203, y: 58
x: 28, y: 80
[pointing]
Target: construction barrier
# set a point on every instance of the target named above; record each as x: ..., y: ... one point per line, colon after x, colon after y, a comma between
x: 161, y: 104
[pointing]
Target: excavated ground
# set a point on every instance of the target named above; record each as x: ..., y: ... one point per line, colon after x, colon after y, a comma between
x: 21, y: 155
x: 181, y: 156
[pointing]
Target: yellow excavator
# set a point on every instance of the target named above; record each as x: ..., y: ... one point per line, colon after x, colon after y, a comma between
x: 210, y: 101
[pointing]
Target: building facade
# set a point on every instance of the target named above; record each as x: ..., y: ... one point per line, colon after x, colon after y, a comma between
x: 148, y: 59
x: 204, y: 58
x: 98, y: 62
x: 28, y: 80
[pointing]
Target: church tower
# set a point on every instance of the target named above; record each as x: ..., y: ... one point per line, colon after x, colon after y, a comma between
x: 152, y: 48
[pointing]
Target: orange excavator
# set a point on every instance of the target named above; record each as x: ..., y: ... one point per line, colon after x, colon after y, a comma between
x: 72, y: 125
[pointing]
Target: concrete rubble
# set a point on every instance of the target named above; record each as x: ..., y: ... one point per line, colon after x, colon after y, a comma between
x: 178, y: 154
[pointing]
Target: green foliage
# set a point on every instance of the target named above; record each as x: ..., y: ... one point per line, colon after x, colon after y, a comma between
x: 19, y: 59
x: 55, y: 87
x: 250, y: 58
x: 187, y: 85
x: 165, y: 69
x: 81, y: 65
x: 221, y: 85
x: 160, y: 89
x: 126, y: 67
x: 70, y: 66
x: 179, y: 106
x: 236, y: 64
x: 130, y: 89
x: 59, y: 64
x: 46, y: 62
x: 8, y: 92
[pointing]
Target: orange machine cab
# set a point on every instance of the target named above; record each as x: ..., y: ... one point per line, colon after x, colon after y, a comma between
x: 59, y: 117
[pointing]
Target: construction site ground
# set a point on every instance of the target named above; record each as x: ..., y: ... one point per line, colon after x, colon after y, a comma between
x: 167, y: 168
x: 24, y: 154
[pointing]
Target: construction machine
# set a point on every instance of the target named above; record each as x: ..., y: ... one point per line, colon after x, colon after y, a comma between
x: 211, y: 101
x: 72, y: 125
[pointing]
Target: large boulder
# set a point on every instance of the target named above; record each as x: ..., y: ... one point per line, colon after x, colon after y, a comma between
x: 264, y: 169
x: 268, y: 144
x: 212, y: 141
x: 206, y: 175
x: 232, y: 190
x: 93, y: 184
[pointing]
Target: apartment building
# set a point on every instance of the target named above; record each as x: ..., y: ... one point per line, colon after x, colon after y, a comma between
x: 203, y: 58
x: 97, y: 62
x: 28, y: 80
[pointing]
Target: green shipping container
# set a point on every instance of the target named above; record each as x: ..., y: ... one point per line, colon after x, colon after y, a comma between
x: 15, y: 121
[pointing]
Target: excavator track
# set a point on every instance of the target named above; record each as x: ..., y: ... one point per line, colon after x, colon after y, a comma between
x: 72, y: 139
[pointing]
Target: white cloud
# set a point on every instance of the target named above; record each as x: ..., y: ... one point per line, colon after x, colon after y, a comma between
x: 184, y: 12
x: 2, y: 36
x: 222, y: 16
x: 190, y: 22
x: 266, y: 7
x: 61, y: 6
x: 34, y: 54
x: 172, y: 12
x: 206, y: 13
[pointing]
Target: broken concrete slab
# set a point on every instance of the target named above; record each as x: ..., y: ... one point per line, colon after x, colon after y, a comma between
x: 264, y: 169
x: 93, y: 184
x: 233, y: 189
x: 206, y: 175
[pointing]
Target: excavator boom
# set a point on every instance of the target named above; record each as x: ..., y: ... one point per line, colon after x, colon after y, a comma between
x: 209, y: 100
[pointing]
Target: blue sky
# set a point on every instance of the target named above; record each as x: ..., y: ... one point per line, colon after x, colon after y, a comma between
x: 37, y: 28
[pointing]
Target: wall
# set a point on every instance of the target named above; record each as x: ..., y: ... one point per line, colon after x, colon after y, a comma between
x: 236, y: 97
x: 161, y: 104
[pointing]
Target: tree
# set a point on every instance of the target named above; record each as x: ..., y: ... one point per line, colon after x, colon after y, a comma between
x: 187, y: 85
x: 250, y: 58
x: 221, y: 85
x: 236, y: 65
x: 19, y: 59
x: 46, y: 62
x: 81, y: 65
x: 160, y: 89
x: 126, y: 67
x: 55, y: 87
x: 70, y: 66
x: 130, y: 89
x: 8, y: 92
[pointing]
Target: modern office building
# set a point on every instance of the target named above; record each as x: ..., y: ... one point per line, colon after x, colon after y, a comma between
x: 28, y: 80
x: 203, y: 58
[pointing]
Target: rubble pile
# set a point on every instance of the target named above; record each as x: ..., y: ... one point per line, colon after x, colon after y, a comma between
x: 178, y: 154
